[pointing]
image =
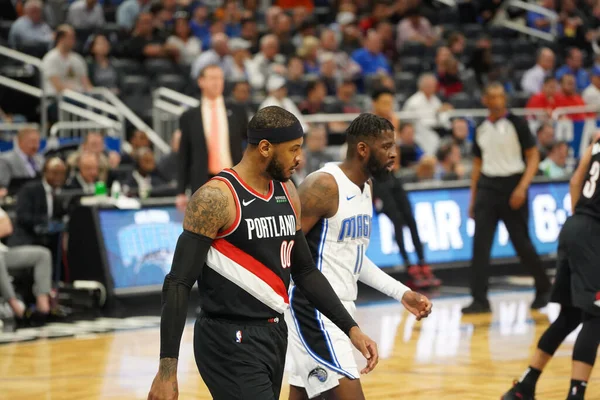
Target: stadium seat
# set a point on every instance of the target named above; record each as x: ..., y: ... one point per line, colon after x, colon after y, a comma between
x: 516, y: 79
x: 519, y: 99
x: 499, y: 60
x: 413, y: 64
x: 135, y: 84
x: 472, y: 31
x: 171, y: 81
x: 462, y: 101
x: 523, y: 62
x: 448, y: 16
x: 159, y: 66
x: 5, y: 28
x: 406, y: 82
x: 522, y: 46
x: 501, y: 47
x: 128, y: 67
x: 412, y: 49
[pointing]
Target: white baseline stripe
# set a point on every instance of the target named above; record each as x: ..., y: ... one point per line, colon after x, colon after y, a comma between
x: 246, y: 280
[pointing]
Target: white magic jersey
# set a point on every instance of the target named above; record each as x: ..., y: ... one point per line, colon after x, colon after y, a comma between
x: 339, y: 243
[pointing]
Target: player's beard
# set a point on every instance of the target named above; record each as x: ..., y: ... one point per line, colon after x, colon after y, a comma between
x: 276, y: 170
x: 377, y: 170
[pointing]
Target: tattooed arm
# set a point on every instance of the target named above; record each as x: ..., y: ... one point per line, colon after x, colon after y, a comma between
x: 210, y: 210
x: 319, y: 199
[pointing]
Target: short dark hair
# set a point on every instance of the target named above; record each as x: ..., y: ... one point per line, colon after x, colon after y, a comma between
x: 445, y: 149
x: 366, y: 126
x: 562, y: 78
x: 380, y: 92
x: 492, y: 85
x: 549, y: 79
x: 312, y: 85
x: 272, y: 117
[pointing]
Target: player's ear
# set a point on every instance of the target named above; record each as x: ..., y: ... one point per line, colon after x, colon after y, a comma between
x: 362, y: 149
x: 265, y: 148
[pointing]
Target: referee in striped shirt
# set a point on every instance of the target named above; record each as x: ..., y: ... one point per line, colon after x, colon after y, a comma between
x: 505, y: 161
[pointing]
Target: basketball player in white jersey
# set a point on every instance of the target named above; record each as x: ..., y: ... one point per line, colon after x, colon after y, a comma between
x: 336, y: 218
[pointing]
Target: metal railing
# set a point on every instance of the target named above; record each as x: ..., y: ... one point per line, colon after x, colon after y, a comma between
x: 551, y: 15
x: 26, y: 88
x: 167, y: 107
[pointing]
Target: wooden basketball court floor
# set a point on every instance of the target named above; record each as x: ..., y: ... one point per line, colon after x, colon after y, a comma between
x: 448, y: 356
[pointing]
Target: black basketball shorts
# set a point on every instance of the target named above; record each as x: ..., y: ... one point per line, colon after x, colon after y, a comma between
x: 577, y: 280
x: 241, y: 360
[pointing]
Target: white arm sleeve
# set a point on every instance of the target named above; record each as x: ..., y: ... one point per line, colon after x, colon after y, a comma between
x: 373, y: 276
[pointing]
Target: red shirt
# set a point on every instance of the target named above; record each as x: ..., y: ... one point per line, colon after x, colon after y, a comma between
x: 541, y: 101
x: 572, y: 101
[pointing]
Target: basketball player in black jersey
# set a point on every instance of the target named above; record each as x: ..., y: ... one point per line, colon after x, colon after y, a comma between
x: 577, y: 286
x: 242, y: 239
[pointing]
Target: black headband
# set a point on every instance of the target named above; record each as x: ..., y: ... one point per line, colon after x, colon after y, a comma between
x: 276, y: 135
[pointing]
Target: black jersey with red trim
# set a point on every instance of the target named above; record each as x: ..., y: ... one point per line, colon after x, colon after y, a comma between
x: 247, y: 271
x: 589, y: 201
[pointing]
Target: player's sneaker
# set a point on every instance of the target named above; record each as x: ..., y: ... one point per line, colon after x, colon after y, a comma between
x: 517, y: 393
x: 430, y: 278
x: 417, y: 280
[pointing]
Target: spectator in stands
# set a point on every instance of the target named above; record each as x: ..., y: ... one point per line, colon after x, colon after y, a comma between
x: 200, y: 25
x: 211, y: 135
x: 533, y: 78
x: 146, y: 43
x: 449, y: 82
x: 30, y: 29
x: 277, y: 90
x: 351, y: 36
x: 574, y: 66
x: 481, y: 60
x: 241, y: 94
x: 189, y: 47
x: 167, y: 166
x: 271, y: 16
x: 457, y: 44
x: 93, y: 143
x: 315, y: 151
x: 345, y: 102
x: 329, y: 73
x: 87, y: 174
x: 307, y: 28
x: 145, y: 179
x: 442, y: 55
x: 85, y: 14
x: 315, y: 98
x: 545, y: 99
x: 217, y: 55
x: 39, y: 208
x: 283, y: 31
x: 250, y: 33
x: 573, y: 21
x: 425, y: 168
x: 20, y: 257
x: 231, y: 16
x: 23, y: 162
x: 449, y: 165
x: 409, y: 151
x: 425, y: 103
x: 386, y: 32
x: 460, y: 134
x: 591, y: 94
x: 295, y: 77
x: 241, y: 59
x: 545, y: 139
x: 137, y: 140
x: 63, y: 68
x: 383, y: 106
x: 309, y: 52
x: 415, y: 28
x: 555, y: 165
x: 6, y: 118
x: 101, y: 70
x: 266, y: 62
x: 128, y: 11
x: 380, y: 12
x: 370, y: 58
x: 568, y: 97
x: 489, y: 10
x: 540, y: 21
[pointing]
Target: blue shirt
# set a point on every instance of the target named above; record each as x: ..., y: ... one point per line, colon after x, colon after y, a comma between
x: 581, y: 76
x: 24, y: 32
x: 127, y: 13
x: 202, y: 32
x: 370, y: 63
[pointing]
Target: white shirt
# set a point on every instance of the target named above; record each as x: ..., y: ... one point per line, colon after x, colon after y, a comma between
x: 70, y: 70
x: 188, y: 51
x: 426, y: 108
x: 591, y: 95
x: 286, y: 104
x: 533, y: 79
x: 88, y: 188
x: 206, y: 107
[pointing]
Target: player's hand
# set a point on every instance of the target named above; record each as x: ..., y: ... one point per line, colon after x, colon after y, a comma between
x: 366, y: 346
x: 164, y: 389
x: 417, y: 304
x: 517, y: 198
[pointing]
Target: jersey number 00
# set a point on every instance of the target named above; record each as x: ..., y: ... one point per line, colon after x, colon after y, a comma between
x: 286, y: 253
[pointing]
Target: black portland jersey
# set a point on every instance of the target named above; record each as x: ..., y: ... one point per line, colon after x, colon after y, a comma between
x: 589, y: 201
x: 247, y: 270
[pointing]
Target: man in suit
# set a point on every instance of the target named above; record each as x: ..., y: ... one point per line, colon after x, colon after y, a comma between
x: 39, y: 209
x: 23, y: 161
x: 88, y: 169
x: 211, y: 135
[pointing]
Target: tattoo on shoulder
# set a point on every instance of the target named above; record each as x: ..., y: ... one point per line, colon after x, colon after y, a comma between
x: 319, y: 194
x: 167, y: 368
x: 206, y: 212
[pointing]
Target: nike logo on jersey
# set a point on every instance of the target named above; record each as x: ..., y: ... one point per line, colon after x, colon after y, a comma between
x: 350, y: 197
x: 245, y: 203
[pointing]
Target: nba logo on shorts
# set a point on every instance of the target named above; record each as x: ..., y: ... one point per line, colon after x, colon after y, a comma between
x: 238, y: 337
x: 597, y: 302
